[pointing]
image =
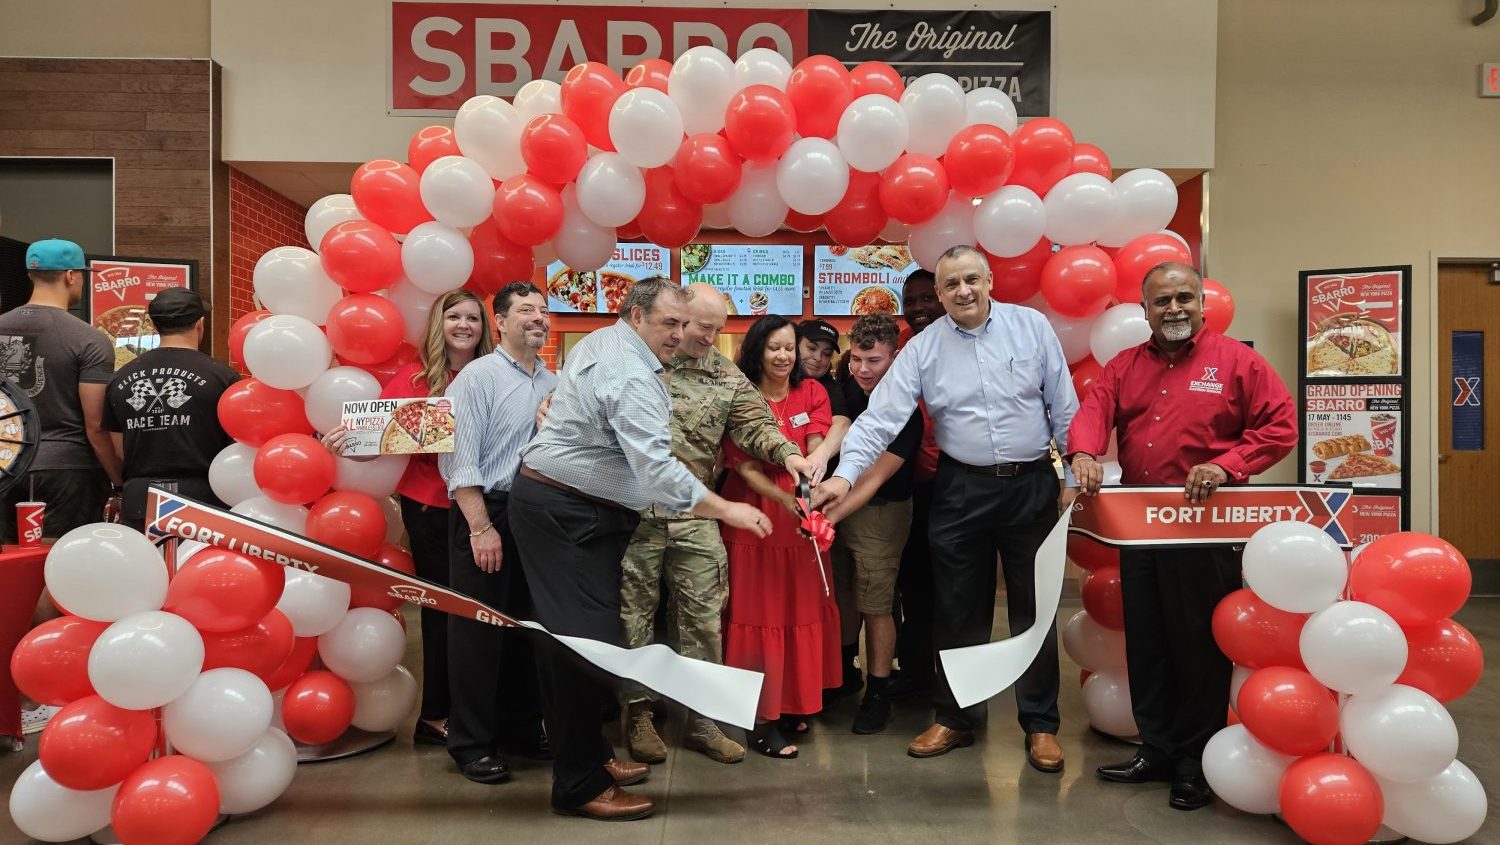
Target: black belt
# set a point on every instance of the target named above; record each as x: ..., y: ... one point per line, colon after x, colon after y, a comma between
x: 570, y: 489
x: 1000, y: 470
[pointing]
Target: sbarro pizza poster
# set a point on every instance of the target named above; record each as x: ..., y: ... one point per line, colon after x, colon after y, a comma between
x: 1352, y: 434
x: 398, y: 426
x: 601, y: 291
x: 1354, y: 324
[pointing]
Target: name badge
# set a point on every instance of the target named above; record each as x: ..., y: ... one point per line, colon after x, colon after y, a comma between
x: 800, y: 420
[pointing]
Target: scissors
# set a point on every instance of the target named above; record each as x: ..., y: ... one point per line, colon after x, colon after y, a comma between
x: 816, y: 526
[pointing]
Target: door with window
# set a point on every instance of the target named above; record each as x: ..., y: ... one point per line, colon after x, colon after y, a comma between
x: 1468, y: 424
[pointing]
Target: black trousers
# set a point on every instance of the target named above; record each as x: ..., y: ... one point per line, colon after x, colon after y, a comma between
x: 571, y: 548
x: 973, y: 517
x: 74, y: 497
x: 914, y: 594
x: 427, y: 529
x: 493, y: 681
x: 1179, y: 680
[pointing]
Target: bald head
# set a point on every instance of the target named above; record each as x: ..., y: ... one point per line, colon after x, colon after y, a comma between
x: 707, y: 315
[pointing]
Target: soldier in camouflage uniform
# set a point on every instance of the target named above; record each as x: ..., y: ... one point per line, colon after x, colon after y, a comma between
x: 710, y: 397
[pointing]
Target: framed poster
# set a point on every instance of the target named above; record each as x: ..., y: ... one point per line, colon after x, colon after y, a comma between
x: 755, y: 279
x: 1355, y: 434
x: 1355, y: 323
x: 119, y: 292
x: 601, y: 291
x: 861, y: 280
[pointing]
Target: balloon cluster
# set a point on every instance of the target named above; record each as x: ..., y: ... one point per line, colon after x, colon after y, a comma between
x: 1356, y: 658
x: 1094, y: 638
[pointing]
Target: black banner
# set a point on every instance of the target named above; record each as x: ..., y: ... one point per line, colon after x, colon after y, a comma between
x: 1011, y: 51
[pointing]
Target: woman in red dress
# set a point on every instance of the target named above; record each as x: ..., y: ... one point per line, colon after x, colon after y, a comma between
x: 781, y: 620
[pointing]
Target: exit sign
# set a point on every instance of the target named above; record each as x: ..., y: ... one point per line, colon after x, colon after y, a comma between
x: 1489, y: 79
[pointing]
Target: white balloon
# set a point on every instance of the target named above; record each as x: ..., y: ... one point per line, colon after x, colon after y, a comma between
x: 581, y: 243
x: 1119, y: 328
x: 364, y: 646
x: 756, y: 208
x: 327, y: 213
x: 1180, y: 239
x: 1093, y: 646
x: 1236, y: 680
x: 457, y: 191
x: 873, y: 132
x: 611, y: 190
x: 436, y: 257
x: 1295, y: 567
x: 952, y: 226
x: 760, y: 66
x: 1147, y: 201
x: 327, y: 394
x: 105, y: 572
x: 1447, y: 807
x: 221, y: 716
x: 716, y: 216
x: 488, y: 130
x: 538, y: 97
x: 895, y: 232
x: 232, y: 474
x: 990, y: 106
x: 935, y: 110
x: 543, y: 254
x: 1106, y: 700
x: 1114, y: 474
x: 1073, y: 333
x: 257, y: 777
x: 1243, y: 772
x: 290, y: 280
x: 277, y: 699
x: 1353, y: 647
x: 382, y: 705
x: 1399, y: 733
x: 377, y: 478
x: 812, y: 176
x: 145, y: 660
x: 286, y: 352
x: 1079, y: 207
x: 394, y: 528
x: 313, y: 603
x: 291, y: 518
x: 1010, y: 221
x: 701, y: 84
x: 645, y: 127
x: 415, y: 306
x: 45, y: 810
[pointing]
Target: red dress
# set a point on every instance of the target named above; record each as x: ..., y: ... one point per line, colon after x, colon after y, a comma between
x: 779, y: 620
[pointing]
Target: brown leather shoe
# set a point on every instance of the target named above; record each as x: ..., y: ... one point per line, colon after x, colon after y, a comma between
x: 939, y: 739
x: 625, y: 772
x: 613, y: 805
x: 1043, y: 753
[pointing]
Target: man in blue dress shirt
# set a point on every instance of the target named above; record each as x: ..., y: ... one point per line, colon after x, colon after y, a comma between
x: 997, y: 387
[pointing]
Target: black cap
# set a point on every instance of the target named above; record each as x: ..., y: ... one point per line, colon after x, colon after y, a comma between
x: 817, y: 330
x: 176, y: 308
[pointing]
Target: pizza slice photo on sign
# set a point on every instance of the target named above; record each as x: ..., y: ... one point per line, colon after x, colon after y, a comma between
x: 403, y: 434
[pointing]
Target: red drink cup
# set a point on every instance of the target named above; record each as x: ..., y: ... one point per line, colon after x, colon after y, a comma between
x: 1383, y: 434
x: 29, y: 516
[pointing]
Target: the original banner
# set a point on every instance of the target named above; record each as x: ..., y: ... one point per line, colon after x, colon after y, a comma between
x: 1355, y: 323
x: 1353, y: 433
x: 863, y: 280
x: 1468, y: 391
x: 119, y: 292
x: 755, y: 279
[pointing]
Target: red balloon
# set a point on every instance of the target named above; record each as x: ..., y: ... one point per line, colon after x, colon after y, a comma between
x: 589, y: 91
x: 553, y: 148
x: 1018, y: 279
x: 1417, y: 578
x: 1044, y: 153
x: 629, y: 232
x: 383, y: 372
x: 347, y: 520
x: 301, y: 655
x: 820, y: 88
x: 1218, y: 306
x: 259, y: 649
x: 497, y: 260
x: 652, y: 73
x: 706, y: 169
x: 1138, y: 257
x: 293, y: 468
x: 979, y: 159
x: 430, y: 144
x: 804, y: 223
x: 1083, y: 675
x: 365, y: 328
x: 361, y: 257
x: 1443, y: 660
x: 219, y: 590
x: 1101, y: 597
x: 318, y: 708
x: 391, y: 557
x: 877, y: 78
x: 172, y: 800
x: 1091, y: 555
x: 1088, y: 158
x: 1330, y: 799
x: 253, y: 412
x: 237, y: 333
x: 92, y: 744
x: 859, y: 217
x: 760, y: 123
x: 1256, y: 635
x: 668, y: 217
x: 528, y: 210
x: 388, y: 193
x: 1085, y: 373
x: 51, y: 663
x: 914, y: 189
x: 1078, y: 281
x: 1288, y: 710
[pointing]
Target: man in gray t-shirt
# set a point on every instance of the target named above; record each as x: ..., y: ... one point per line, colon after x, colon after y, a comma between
x: 63, y: 364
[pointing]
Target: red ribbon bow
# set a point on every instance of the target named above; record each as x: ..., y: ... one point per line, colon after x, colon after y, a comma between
x: 816, y: 525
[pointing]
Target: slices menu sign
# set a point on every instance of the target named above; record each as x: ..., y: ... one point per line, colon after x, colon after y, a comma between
x: 399, y: 426
x: 601, y: 291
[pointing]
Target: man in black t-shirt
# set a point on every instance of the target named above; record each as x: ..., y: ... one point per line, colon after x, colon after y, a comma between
x: 875, y: 518
x: 162, y: 408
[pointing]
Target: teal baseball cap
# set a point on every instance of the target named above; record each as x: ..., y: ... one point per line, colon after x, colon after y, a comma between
x: 56, y: 254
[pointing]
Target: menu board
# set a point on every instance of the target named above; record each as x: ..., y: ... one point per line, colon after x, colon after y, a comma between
x: 1354, y: 324
x: 1352, y: 434
x: 601, y: 291
x: 398, y: 426
x: 119, y: 291
x: 755, y: 279
x: 861, y: 280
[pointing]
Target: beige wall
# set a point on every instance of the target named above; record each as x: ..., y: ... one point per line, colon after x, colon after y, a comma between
x: 1351, y: 135
x: 132, y: 29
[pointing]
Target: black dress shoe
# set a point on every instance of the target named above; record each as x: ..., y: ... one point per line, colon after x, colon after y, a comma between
x: 1136, y: 770
x: 486, y: 770
x: 425, y: 734
x: 1190, y: 792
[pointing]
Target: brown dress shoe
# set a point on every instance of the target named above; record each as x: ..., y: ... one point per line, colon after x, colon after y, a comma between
x: 939, y: 739
x: 613, y: 805
x: 1043, y: 753
x: 625, y: 772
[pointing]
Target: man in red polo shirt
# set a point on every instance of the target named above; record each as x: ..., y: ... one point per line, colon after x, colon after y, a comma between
x: 1195, y: 408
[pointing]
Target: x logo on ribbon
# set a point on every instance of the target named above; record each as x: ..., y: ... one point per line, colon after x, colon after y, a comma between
x: 1466, y: 391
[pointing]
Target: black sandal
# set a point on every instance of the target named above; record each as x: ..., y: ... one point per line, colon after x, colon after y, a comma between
x: 794, y: 725
x: 767, y: 739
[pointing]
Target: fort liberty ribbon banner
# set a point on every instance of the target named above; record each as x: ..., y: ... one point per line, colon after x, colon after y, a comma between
x: 719, y: 692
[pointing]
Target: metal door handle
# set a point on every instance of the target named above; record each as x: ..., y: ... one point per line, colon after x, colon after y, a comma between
x: 1443, y: 458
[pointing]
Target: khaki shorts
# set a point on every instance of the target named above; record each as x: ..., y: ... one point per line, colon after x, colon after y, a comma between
x: 875, y: 535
